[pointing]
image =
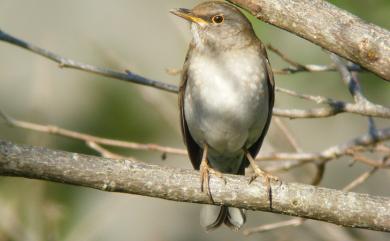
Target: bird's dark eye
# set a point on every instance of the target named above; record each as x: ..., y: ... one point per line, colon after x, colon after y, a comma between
x: 217, y: 19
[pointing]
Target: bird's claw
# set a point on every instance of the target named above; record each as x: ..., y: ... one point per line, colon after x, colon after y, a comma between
x: 266, y: 177
x: 205, y: 172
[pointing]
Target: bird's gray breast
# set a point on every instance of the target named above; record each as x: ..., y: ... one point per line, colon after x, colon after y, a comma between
x: 226, y: 100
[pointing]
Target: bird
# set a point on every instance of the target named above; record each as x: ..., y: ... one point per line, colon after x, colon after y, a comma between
x: 226, y: 97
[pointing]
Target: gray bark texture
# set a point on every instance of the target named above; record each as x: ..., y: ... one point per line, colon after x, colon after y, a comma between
x: 332, y: 28
x: 342, y: 208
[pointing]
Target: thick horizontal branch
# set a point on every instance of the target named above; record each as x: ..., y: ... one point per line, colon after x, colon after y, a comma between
x: 329, y: 27
x: 342, y: 208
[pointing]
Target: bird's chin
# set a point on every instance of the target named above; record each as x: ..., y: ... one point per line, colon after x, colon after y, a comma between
x: 196, y: 33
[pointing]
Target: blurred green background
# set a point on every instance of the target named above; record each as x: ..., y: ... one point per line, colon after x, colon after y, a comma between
x: 143, y: 37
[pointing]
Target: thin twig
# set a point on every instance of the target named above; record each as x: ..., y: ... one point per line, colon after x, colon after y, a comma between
x: 297, y: 67
x: 295, y: 64
x: 370, y: 162
x: 312, y: 68
x: 320, y: 170
x: 363, y: 141
x: 334, y: 109
x: 316, y: 98
x: 268, y: 227
x: 68, y: 63
x: 288, y: 134
x: 382, y: 148
x: 55, y: 130
x: 106, y: 153
x: 360, y: 179
x: 348, y: 78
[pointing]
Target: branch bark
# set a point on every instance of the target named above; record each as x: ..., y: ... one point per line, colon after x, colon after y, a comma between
x: 128, y: 176
x: 329, y: 27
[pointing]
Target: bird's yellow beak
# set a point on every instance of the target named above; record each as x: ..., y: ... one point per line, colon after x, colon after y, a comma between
x: 188, y: 15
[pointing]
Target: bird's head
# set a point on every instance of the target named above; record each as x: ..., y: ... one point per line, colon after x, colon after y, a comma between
x: 217, y: 25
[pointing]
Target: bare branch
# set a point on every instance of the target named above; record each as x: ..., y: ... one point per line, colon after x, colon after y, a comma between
x: 363, y: 141
x: 68, y: 63
x: 312, y: 68
x: 106, y: 153
x: 272, y: 226
x: 360, y: 179
x: 363, y: 211
x: 370, y: 162
x: 334, y: 107
x: 316, y: 98
x: 332, y: 110
x: 348, y: 78
x: 288, y: 134
x: 55, y: 130
x: 332, y: 28
x: 297, y: 67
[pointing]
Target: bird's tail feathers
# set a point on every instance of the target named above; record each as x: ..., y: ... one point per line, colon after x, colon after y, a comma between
x: 211, y: 217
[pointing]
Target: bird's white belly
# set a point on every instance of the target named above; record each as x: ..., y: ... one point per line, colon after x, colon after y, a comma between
x: 226, y: 103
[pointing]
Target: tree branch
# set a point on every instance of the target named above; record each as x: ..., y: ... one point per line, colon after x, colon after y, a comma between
x: 55, y: 130
x: 329, y: 27
x: 128, y: 176
x: 296, y: 67
x: 68, y: 63
x: 272, y: 226
x: 333, y: 107
x: 333, y: 152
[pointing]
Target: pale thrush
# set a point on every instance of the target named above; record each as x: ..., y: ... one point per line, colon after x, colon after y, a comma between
x: 226, y: 98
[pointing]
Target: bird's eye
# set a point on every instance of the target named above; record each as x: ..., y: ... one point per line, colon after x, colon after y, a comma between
x: 217, y: 19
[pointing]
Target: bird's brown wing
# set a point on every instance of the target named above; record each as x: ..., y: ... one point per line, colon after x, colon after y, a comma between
x: 255, y: 148
x: 194, y: 150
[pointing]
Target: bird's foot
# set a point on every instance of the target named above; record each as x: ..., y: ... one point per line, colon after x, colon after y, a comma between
x: 266, y: 176
x: 205, y: 171
x: 260, y: 173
